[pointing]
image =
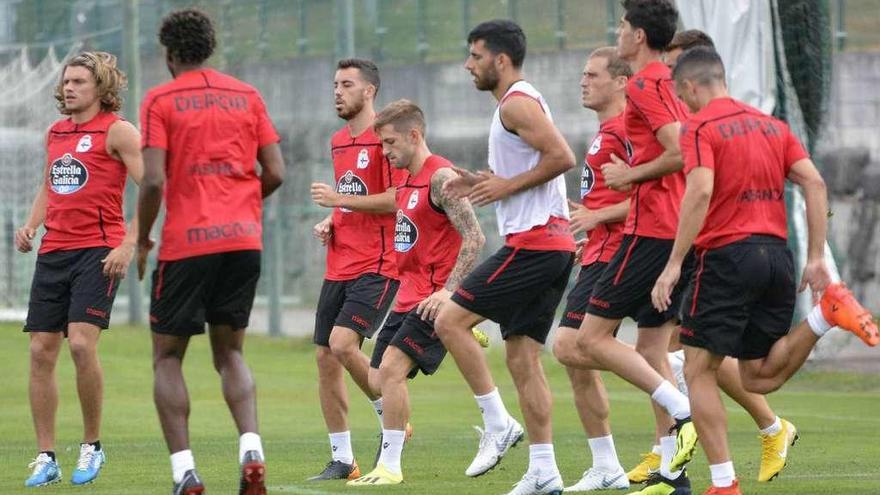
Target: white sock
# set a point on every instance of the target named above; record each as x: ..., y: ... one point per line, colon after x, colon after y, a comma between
x: 377, y: 406
x: 656, y: 450
x: 722, y: 474
x: 181, y: 462
x: 675, y: 402
x: 340, y: 447
x: 249, y: 441
x: 773, y: 429
x: 667, y: 450
x: 604, y: 453
x: 392, y: 447
x: 494, y: 413
x: 816, y: 321
x: 542, y: 459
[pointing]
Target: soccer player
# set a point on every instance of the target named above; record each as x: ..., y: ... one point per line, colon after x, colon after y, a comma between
x: 437, y: 241
x: 600, y: 215
x: 740, y: 301
x: 203, y: 133
x: 651, y: 120
x: 776, y: 434
x: 520, y: 285
x: 685, y: 40
x: 361, y: 277
x: 83, y: 255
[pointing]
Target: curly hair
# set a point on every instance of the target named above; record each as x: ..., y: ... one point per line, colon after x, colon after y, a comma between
x: 188, y: 35
x: 109, y: 80
x: 658, y: 18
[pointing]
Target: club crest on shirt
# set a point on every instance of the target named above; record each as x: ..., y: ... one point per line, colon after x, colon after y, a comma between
x: 413, y: 200
x: 363, y: 160
x: 405, y: 233
x: 67, y: 175
x: 84, y: 144
x: 596, y: 146
x: 588, y: 179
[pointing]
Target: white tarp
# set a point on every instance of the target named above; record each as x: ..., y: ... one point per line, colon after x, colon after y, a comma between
x: 743, y: 34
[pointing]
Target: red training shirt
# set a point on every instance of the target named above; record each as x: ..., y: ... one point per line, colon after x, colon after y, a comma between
x: 361, y: 242
x: 426, y: 242
x: 85, y: 186
x: 211, y: 125
x: 603, y: 241
x: 751, y: 154
x: 652, y: 104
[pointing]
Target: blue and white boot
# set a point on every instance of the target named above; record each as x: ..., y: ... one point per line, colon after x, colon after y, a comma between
x: 46, y: 471
x: 89, y: 464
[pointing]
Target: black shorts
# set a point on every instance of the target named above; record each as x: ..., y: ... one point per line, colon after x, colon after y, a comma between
x: 741, y: 299
x: 519, y: 289
x: 360, y: 305
x: 215, y: 288
x: 70, y: 287
x: 579, y: 295
x: 624, y: 289
x: 415, y: 337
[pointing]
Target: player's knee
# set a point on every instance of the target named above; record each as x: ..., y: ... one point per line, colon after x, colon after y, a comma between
x: 442, y: 325
x: 563, y: 347
x: 226, y: 358
x: 390, y: 374
x: 82, y: 351
x: 762, y: 386
x: 344, y: 352
x: 42, y: 354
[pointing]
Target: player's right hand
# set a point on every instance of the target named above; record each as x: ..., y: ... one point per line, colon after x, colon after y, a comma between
x: 23, y: 238
x: 583, y: 219
x: 460, y: 186
x: 143, y: 251
x: 579, y: 250
x: 323, y: 230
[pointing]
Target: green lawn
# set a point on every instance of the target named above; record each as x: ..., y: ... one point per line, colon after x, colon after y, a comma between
x: 836, y: 415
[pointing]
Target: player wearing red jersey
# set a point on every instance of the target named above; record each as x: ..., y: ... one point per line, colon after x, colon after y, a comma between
x: 651, y: 118
x: 740, y: 300
x: 84, y: 253
x: 600, y: 215
x: 204, y: 131
x: 361, y: 278
x: 437, y: 240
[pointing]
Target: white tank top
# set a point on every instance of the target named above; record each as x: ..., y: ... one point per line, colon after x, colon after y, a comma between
x: 509, y: 156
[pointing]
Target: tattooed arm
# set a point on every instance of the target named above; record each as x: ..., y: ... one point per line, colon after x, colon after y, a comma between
x: 461, y: 214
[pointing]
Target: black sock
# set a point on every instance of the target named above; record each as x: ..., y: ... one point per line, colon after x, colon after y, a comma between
x: 50, y: 453
x: 96, y: 444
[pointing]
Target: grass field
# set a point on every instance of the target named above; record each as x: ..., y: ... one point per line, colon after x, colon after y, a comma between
x: 837, y: 415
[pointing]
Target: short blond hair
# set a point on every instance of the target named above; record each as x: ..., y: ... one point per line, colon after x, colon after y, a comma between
x: 109, y: 79
x: 403, y: 115
x: 617, y: 66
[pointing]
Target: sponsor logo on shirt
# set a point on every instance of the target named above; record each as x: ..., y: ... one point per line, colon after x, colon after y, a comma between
x: 214, y: 168
x: 84, y: 144
x: 351, y: 184
x: 405, y: 233
x: 67, y: 175
x: 588, y: 180
x: 596, y: 146
x: 232, y: 230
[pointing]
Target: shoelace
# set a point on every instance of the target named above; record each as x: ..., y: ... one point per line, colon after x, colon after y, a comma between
x: 38, y: 463
x: 767, y: 448
x: 484, y: 437
x: 85, y: 459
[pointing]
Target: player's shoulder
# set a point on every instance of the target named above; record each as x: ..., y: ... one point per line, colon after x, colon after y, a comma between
x: 221, y: 80
x: 341, y: 137
x: 646, y: 80
x: 615, y: 126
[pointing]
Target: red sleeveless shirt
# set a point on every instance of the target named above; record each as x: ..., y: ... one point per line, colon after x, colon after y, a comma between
x: 85, y: 186
x: 426, y: 242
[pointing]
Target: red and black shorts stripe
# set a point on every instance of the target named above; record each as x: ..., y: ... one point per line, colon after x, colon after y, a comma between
x: 740, y: 300
x: 519, y: 289
x: 624, y: 289
x: 359, y: 304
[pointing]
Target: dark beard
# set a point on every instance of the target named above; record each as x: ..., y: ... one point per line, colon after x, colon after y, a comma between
x: 350, y: 112
x: 488, y: 82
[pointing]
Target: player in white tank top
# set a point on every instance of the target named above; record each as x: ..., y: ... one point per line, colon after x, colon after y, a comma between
x: 521, y: 284
x: 509, y: 156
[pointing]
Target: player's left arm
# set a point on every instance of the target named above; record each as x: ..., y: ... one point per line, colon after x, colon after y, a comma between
x: 527, y: 119
x: 461, y: 214
x: 619, y: 176
x: 325, y: 195
x: 697, y: 195
x: 124, y: 143
x: 804, y: 173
